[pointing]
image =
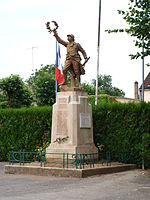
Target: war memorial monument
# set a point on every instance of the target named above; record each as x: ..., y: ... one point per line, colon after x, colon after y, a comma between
x: 72, y: 124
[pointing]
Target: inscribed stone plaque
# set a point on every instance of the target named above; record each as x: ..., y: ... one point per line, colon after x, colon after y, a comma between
x: 85, y: 120
x: 61, y: 122
x: 63, y: 100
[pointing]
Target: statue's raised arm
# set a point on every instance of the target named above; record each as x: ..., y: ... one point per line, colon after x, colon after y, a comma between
x: 59, y: 39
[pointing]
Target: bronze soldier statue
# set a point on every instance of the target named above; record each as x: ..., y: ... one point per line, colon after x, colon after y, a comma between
x: 73, y: 59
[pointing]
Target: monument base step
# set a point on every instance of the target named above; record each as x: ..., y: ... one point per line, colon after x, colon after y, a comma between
x: 64, y: 172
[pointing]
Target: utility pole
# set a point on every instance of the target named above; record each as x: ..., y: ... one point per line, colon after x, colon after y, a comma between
x: 31, y: 87
x: 98, y: 48
x: 32, y: 48
x: 33, y: 59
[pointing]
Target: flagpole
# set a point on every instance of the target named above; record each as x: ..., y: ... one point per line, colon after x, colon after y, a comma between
x: 55, y: 68
x: 99, y: 20
x: 143, y: 71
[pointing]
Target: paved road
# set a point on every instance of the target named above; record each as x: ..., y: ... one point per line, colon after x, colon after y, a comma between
x: 131, y: 185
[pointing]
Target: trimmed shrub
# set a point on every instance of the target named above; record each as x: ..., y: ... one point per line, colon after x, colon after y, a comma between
x: 103, y: 98
x: 24, y: 128
x: 124, y: 128
x: 119, y: 127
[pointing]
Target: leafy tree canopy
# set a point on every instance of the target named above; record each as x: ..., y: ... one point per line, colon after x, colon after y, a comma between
x: 50, y: 69
x: 42, y: 84
x: 138, y: 19
x: 14, y: 92
x: 104, y: 87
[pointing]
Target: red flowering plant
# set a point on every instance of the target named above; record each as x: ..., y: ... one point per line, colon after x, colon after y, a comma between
x: 100, y: 147
x: 100, y: 151
x: 44, y: 142
x: 41, y: 147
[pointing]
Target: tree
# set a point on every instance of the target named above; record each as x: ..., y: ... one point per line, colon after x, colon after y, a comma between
x: 43, y: 85
x: 138, y: 19
x: 104, y: 86
x: 3, y: 100
x: 104, y: 82
x: 90, y: 89
x: 14, y: 92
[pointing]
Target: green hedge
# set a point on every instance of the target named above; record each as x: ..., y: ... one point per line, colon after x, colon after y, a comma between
x: 24, y: 128
x: 103, y: 98
x: 119, y: 127
x: 124, y: 128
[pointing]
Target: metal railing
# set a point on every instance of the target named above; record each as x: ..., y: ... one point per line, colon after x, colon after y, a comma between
x: 23, y: 157
x: 65, y: 160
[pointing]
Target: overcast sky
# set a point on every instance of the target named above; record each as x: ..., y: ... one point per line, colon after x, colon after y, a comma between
x: 23, y: 27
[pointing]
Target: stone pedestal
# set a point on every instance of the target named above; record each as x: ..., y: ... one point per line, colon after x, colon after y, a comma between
x: 72, y: 125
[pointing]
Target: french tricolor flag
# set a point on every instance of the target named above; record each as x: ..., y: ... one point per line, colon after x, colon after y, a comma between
x: 58, y: 72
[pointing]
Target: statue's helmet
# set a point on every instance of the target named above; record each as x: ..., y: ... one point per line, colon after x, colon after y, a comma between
x: 71, y: 35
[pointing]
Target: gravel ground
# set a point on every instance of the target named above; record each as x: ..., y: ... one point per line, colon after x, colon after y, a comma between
x: 129, y: 185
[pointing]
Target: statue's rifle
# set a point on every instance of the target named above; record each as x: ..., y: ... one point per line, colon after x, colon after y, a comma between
x: 86, y: 61
x: 82, y: 70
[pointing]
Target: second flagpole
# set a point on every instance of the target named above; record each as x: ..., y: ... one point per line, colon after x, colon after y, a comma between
x: 97, y: 73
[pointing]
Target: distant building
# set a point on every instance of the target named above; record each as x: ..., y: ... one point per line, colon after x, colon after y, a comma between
x: 130, y: 100
x: 138, y: 92
x: 126, y: 100
x: 146, y: 89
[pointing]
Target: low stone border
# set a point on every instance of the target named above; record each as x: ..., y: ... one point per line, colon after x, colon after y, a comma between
x: 78, y: 173
x: 107, y: 170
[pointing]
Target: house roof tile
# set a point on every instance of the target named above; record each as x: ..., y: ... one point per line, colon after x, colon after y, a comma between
x: 146, y: 82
